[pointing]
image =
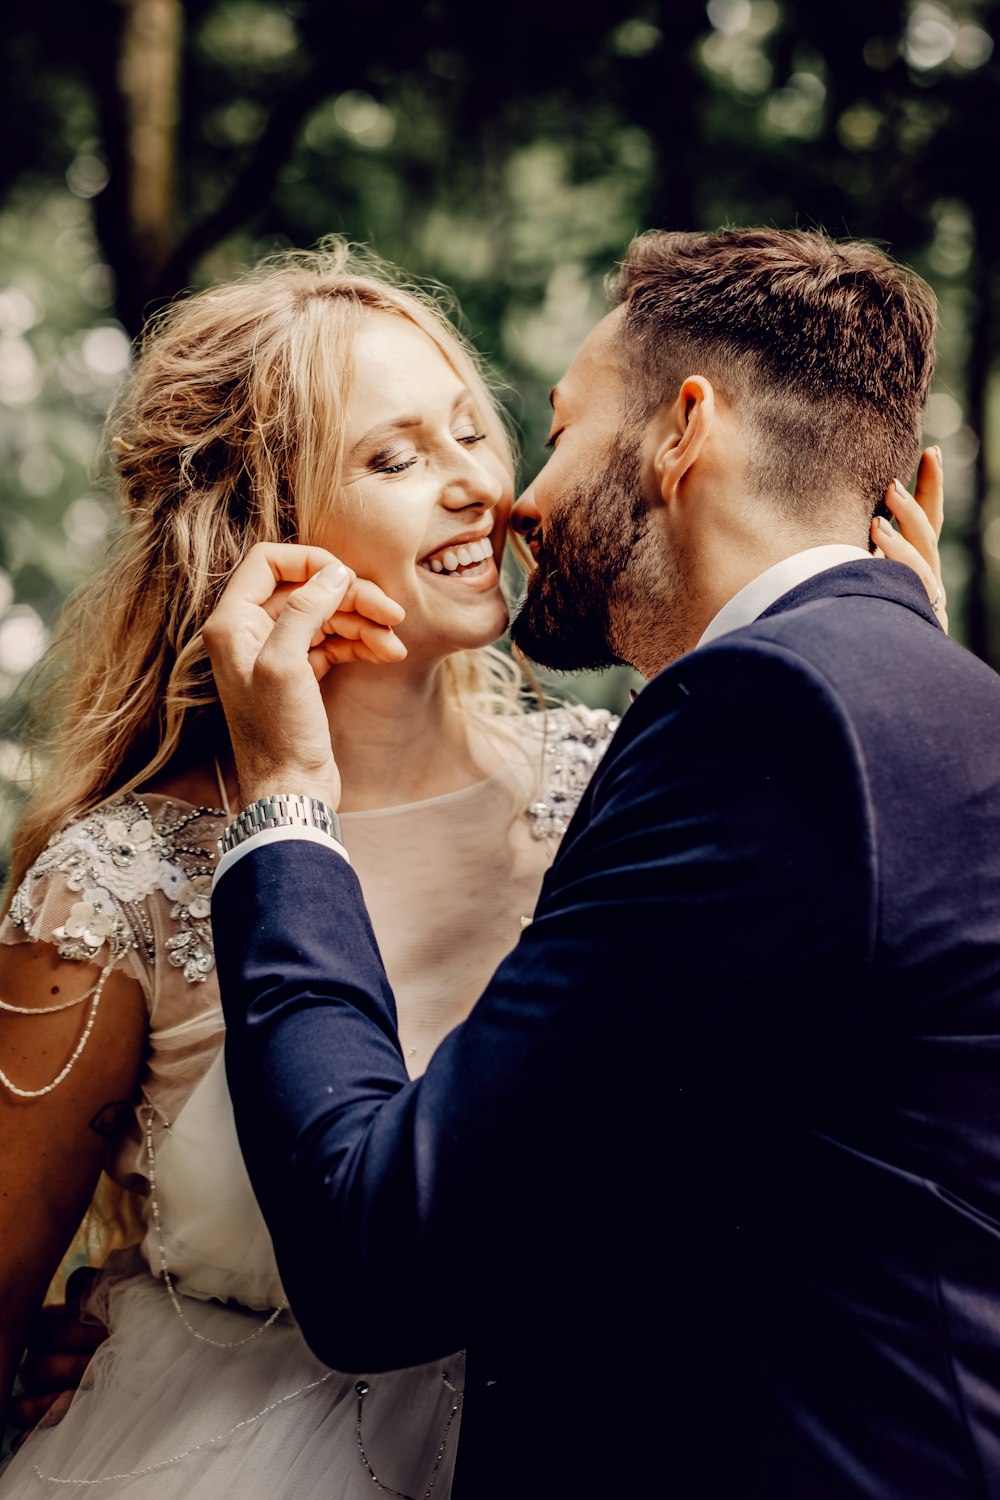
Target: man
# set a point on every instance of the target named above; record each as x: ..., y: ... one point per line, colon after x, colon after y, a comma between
x: 709, y: 1183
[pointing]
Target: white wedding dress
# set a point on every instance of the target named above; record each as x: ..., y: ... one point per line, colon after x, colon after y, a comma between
x: 205, y: 1387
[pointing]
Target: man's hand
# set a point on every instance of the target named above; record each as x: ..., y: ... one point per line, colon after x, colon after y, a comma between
x: 288, y: 615
x: 60, y: 1347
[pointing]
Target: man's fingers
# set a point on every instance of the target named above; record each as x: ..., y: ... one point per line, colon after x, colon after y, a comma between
x: 384, y: 644
x: 363, y: 600
x: 272, y: 572
x: 51, y: 1371
x: 339, y: 652
x: 60, y: 1329
x: 269, y: 564
x: 302, y: 617
x: 278, y: 591
x: 382, y: 641
x: 272, y: 607
x: 38, y: 1411
x: 256, y: 596
x: 366, y: 598
x: 78, y: 1289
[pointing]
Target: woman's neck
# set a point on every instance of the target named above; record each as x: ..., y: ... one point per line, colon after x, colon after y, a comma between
x: 398, y: 736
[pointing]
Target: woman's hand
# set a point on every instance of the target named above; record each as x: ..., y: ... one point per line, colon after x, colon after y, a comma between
x: 288, y: 614
x: 919, y: 517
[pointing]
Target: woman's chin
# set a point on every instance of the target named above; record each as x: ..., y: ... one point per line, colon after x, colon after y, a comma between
x: 469, y: 634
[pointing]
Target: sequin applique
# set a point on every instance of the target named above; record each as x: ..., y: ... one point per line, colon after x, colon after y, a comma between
x: 115, y: 859
x: 575, y: 739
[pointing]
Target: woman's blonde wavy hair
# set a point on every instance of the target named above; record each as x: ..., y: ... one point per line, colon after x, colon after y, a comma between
x: 230, y: 432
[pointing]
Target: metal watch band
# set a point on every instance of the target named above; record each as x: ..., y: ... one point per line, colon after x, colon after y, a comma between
x: 280, y: 810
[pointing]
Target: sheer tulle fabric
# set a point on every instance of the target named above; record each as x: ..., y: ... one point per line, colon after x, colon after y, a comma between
x: 163, y: 1416
x: 170, y: 1416
x: 213, y: 1237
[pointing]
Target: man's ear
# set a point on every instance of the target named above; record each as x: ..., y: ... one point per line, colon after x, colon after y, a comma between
x: 685, y: 427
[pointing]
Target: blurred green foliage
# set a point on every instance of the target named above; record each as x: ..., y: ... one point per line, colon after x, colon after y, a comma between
x: 151, y: 145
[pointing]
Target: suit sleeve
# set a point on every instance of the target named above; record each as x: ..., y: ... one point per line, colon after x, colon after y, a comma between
x: 701, y: 945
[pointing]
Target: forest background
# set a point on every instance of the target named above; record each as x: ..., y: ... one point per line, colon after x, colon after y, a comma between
x: 154, y: 145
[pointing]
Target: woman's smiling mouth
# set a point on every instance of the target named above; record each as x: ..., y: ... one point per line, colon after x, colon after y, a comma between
x: 460, y: 559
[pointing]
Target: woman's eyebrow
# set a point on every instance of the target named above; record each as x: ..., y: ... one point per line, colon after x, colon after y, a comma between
x: 400, y: 424
x: 397, y: 424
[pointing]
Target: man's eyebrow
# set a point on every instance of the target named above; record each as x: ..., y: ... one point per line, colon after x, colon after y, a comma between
x: 552, y: 396
x: 400, y: 424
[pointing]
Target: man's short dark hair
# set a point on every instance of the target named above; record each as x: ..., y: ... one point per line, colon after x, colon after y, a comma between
x: 826, y: 350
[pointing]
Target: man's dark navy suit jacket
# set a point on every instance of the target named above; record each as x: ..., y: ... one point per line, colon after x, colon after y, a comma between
x: 709, y: 1183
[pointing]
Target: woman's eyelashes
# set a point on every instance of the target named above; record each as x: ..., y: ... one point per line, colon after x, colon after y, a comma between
x: 388, y: 462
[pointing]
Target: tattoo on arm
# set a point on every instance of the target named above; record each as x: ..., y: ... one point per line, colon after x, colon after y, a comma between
x: 109, y: 1120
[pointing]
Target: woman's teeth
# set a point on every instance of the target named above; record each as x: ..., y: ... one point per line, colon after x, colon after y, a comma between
x: 454, y: 559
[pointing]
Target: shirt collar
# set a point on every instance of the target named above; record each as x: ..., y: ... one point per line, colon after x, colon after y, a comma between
x: 761, y: 592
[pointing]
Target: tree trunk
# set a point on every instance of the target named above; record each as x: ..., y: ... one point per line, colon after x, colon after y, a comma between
x: 147, y: 79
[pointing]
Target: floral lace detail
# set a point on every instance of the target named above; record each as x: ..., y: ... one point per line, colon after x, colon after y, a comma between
x: 116, y: 859
x: 573, y: 751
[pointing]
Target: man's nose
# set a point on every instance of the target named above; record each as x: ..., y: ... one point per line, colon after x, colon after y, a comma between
x: 525, y: 518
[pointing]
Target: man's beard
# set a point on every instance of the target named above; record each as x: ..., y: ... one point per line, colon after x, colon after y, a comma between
x: 568, y: 618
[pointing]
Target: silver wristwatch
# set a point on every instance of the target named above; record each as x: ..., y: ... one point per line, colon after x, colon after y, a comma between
x: 280, y: 810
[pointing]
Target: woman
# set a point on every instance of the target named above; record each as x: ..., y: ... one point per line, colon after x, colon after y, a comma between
x: 309, y: 403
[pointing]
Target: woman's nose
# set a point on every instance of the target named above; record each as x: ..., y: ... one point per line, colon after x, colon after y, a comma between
x: 472, y: 483
x: 525, y: 518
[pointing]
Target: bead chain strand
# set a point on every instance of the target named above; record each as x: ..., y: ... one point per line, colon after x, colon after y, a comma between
x: 361, y: 1391
x: 45, y: 1010
x: 154, y: 1203
x: 78, y: 1049
x: 177, y: 1458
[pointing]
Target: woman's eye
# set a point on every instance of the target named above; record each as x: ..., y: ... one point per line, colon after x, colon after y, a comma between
x: 380, y: 465
x: 470, y: 438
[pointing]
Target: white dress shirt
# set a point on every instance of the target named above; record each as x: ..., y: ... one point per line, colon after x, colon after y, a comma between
x: 767, y: 588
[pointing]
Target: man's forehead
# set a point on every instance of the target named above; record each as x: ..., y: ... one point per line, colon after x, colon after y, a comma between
x: 597, y: 361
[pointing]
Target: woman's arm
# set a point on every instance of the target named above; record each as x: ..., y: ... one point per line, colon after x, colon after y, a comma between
x: 55, y: 1144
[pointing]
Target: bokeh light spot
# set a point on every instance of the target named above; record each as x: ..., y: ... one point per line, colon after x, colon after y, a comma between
x: 23, y: 640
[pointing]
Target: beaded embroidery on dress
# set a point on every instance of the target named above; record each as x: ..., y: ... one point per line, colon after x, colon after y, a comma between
x: 128, y: 887
x: 205, y: 1387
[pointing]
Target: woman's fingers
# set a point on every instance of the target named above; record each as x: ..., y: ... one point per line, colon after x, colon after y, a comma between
x: 919, y: 517
x: 914, y: 523
x: 929, y: 492
x: 893, y: 545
